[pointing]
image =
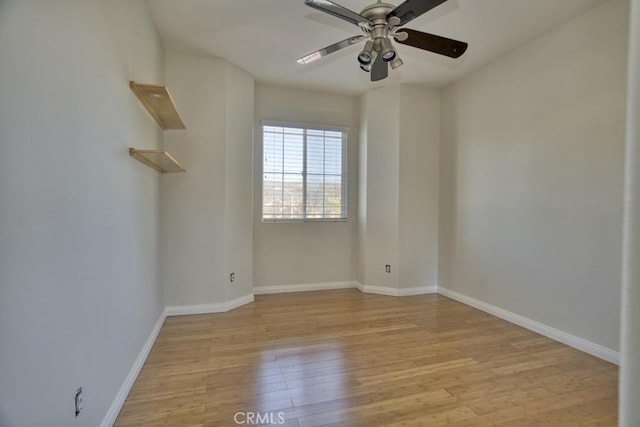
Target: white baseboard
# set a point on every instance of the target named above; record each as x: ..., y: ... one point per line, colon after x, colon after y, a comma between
x: 555, y: 334
x: 304, y: 287
x: 396, y: 292
x: 222, y: 307
x: 418, y: 290
x: 380, y: 290
x: 114, y: 410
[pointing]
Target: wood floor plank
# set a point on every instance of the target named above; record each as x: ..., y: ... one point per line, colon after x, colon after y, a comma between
x: 343, y: 358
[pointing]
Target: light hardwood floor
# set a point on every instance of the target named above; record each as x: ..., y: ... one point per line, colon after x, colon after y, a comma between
x: 343, y: 358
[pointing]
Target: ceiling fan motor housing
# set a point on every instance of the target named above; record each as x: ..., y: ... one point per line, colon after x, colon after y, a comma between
x: 377, y: 13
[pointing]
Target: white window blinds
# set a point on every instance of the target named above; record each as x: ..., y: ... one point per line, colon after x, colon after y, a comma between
x: 304, y: 174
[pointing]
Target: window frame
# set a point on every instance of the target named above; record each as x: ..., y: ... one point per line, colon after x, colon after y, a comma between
x: 307, y: 126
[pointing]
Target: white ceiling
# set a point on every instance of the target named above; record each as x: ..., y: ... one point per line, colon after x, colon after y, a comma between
x: 265, y: 37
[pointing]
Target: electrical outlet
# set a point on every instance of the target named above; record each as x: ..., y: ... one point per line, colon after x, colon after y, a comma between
x: 232, y: 277
x: 79, y: 402
x: 388, y: 268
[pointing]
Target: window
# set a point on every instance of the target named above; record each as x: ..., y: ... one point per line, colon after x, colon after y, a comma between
x: 304, y: 173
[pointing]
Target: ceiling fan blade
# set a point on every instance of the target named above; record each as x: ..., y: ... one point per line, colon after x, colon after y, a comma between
x: 338, y: 11
x: 314, y: 56
x: 379, y: 69
x: 411, y: 9
x: 432, y: 43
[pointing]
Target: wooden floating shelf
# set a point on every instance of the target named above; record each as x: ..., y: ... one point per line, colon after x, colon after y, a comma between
x: 158, y: 102
x: 160, y: 160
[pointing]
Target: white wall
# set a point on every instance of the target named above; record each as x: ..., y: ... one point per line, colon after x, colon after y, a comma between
x: 79, y: 286
x: 399, y: 146
x: 207, y: 225
x: 193, y: 205
x: 630, y: 335
x: 419, y: 186
x: 239, y: 182
x: 381, y: 185
x: 312, y: 252
x: 361, y: 227
x: 532, y: 178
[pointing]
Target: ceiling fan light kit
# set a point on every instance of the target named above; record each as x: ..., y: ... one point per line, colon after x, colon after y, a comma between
x: 380, y: 23
x: 396, y: 63
x: 388, y: 53
x: 367, y: 53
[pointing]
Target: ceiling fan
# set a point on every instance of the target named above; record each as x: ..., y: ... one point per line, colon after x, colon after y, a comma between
x: 379, y: 22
